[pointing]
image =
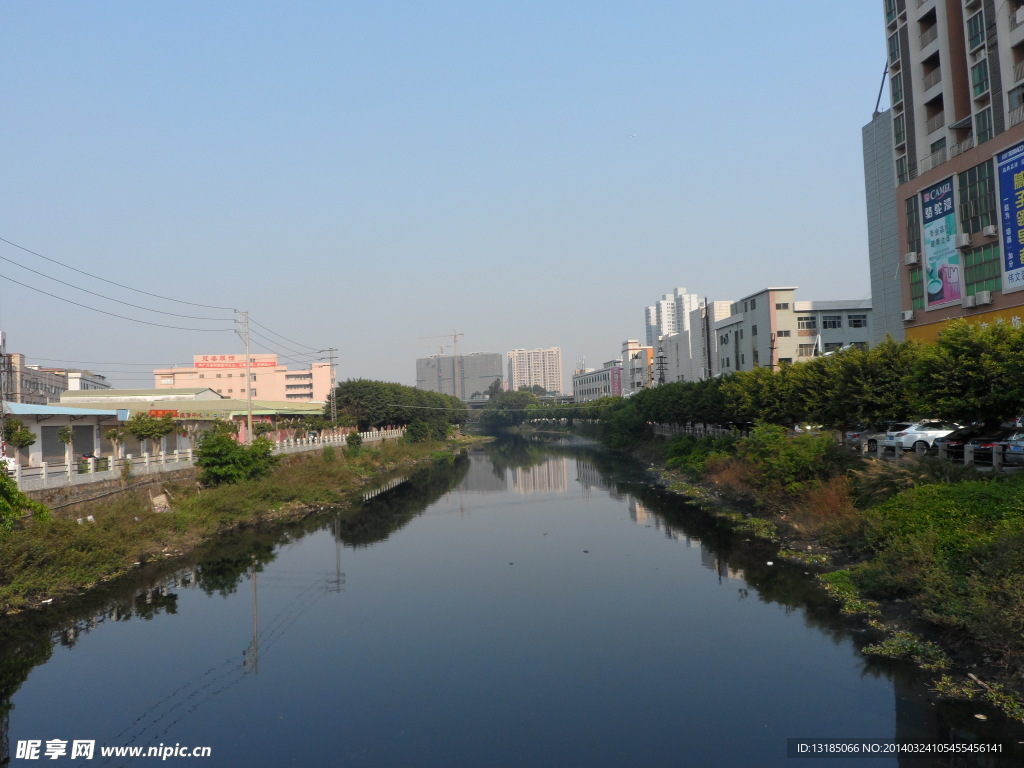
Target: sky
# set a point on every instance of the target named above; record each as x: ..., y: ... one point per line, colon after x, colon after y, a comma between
x: 377, y: 176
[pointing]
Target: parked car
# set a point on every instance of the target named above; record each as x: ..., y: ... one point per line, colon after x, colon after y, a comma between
x: 872, y: 436
x: 1013, y: 448
x: 918, y: 436
x: 980, y: 437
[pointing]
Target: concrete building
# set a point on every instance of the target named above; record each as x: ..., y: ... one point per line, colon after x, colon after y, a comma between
x: 669, y: 315
x: 45, y: 422
x: 956, y: 82
x: 770, y: 327
x: 465, y: 377
x: 637, y: 367
x: 33, y: 384
x: 531, y: 367
x: 692, y: 354
x: 883, y: 243
x: 590, y: 384
x: 270, y: 380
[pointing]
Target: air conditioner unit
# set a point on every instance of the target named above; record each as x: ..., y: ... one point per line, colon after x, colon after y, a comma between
x: 908, y: 315
x: 990, y: 231
x: 969, y: 301
x: 912, y: 258
x: 983, y: 297
x: 963, y: 241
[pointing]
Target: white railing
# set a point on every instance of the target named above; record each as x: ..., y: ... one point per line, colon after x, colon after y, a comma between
x: 98, y: 470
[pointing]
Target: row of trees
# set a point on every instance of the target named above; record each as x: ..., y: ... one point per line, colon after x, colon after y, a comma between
x: 375, y: 404
x: 974, y: 373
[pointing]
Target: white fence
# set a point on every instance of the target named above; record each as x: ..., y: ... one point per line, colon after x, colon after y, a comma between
x: 93, y: 470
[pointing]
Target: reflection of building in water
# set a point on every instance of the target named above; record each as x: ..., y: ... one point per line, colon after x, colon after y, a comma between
x: 712, y: 561
x: 552, y: 475
x: 482, y: 476
x: 590, y: 476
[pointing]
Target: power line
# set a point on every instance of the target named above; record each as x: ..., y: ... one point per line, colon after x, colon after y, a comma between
x: 103, y: 279
x: 108, y: 298
x: 111, y: 314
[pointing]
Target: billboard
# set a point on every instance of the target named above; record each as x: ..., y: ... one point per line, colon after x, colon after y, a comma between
x: 943, y: 270
x: 1010, y: 170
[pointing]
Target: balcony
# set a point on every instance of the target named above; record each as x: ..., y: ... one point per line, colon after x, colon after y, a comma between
x: 934, y: 123
x: 932, y: 79
x: 933, y: 160
x: 963, y: 146
x: 930, y: 35
x: 1016, y: 116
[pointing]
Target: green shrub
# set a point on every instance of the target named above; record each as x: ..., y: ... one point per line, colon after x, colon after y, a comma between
x: 789, y: 465
x: 221, y: 459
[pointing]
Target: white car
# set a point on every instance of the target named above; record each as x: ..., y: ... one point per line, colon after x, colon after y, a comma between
x: 919, y: 436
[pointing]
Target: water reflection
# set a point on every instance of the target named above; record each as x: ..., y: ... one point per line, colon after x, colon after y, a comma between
x: 262, y: 624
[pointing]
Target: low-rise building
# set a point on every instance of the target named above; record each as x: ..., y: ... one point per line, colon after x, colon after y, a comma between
x: 770, y: 327
x: 590, y: 384
x: 269, y: 379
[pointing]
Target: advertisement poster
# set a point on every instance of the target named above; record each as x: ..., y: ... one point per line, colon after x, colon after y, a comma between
x: 1011, y: 215
x: 942, y: 266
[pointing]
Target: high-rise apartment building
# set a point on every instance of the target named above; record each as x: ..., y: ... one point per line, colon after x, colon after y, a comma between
x: 956, y: 82
x: 883, y: 243
x: 465, y: 377
x: 532, y: 367
x: 670, y: 314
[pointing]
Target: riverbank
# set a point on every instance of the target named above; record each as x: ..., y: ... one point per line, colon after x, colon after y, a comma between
x: 43, y: 563
x: 929, y: 566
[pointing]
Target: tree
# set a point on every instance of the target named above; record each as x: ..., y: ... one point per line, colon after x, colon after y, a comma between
x: 144, y: 427
x: 222, y: 459
x: 17, y: 434
x: 973, y: 373
x: 14, y: 503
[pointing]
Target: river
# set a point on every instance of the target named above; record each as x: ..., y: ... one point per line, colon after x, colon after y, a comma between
x: 527, y: 604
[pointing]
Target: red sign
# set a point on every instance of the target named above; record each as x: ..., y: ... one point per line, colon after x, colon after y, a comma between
x: 161, y: 414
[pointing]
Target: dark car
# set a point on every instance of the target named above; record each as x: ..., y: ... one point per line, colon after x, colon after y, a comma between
x: 955, y: 441
x: 984, y: 444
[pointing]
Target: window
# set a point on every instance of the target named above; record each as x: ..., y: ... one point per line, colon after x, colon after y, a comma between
x: 902, y: 170
x: 755, y: 357
x: 976, y: 30
x: 806, y: 350
x: 782, y: 305
x: 857, y: 321
x: 753, y: 303
x: 806, y: 323
x: 832, y: 321
x: 896, y: 88
x: 982, y: 271
x: 833, y: 346
x: 983, y: 125
x: 977, y: 198
x: 894, y: 47
x: 746, y: 306
x: 785, y: 360
x: 890, y: 11
x: 743, y: 359
x: 753, y: 330
x: 784, y: 334
x: 913, y: 224
x: 861, y: 345
x: 899, y: 130
x: 979, y: 78
x: 916, y: 288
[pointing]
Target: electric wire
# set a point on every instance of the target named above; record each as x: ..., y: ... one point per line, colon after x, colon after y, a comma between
x: 103, y: 279
x: 112, y: 314
x: 109, y: 298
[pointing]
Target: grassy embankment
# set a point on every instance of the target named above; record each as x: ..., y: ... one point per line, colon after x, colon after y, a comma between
x: 917, y: 548
x: 56, y: 559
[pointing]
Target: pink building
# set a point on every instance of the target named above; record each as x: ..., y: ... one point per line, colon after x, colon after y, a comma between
x: 225, y: 374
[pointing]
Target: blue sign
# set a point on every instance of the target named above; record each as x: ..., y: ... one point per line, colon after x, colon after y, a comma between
x: 1010, y: 166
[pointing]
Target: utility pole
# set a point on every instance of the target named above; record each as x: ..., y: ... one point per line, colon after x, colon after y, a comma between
x: 248, y: 378
x: 334, y: 384
x: 5, y: 367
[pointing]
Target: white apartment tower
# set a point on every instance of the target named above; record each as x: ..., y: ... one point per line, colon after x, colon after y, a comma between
x: 670, y: 314
x: 531, y: 367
